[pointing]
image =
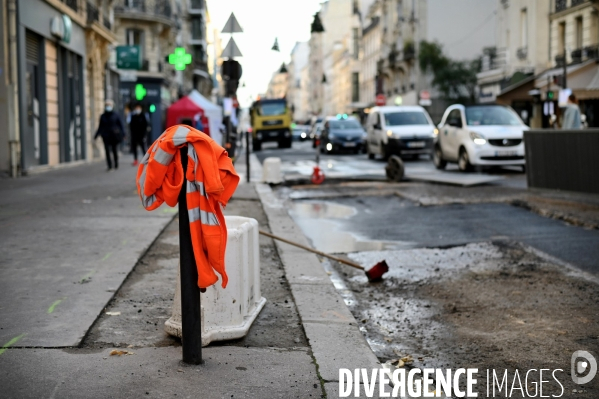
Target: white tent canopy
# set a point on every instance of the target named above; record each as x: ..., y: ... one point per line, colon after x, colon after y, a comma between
x: 213, y: 112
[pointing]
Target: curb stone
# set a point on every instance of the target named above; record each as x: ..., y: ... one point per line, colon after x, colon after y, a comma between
x: 331, y: 329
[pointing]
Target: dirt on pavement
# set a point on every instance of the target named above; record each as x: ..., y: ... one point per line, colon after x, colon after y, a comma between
x: 492, y: 306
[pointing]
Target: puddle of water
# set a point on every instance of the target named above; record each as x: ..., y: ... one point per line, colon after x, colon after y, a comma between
x: 322, y: 223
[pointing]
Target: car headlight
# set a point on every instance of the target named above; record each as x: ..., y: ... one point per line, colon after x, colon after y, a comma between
x: 478, y: 138
x: 435, y: 132
x: 303, y: 135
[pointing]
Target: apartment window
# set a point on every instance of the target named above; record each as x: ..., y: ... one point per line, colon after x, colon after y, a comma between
x: 355, y: 87
x: 561, y: 40
x: 197, y: 27
x: 197, y: 4
x: 524, y: 28
x: 579, y: 32
x: 135, y: 37
x: 198, y: 55
x: 356, y: 37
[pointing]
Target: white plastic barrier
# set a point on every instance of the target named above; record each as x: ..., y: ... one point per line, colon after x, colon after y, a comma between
x: 271, y: 171
x: 228, y: 313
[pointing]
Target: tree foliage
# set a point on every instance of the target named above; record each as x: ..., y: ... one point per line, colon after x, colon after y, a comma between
x: 456, y: 80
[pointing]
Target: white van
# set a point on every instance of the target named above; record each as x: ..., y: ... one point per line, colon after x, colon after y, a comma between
x: 406, y: 131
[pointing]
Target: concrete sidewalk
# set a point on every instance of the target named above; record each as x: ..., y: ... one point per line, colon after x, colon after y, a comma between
x: 112, y: 267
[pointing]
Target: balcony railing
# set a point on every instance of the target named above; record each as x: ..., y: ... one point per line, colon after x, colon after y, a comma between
x: 559, y: 60
x: 576, y: 56
x: 561, y: 5
x: 577, y: 2
x: 522, y: 53
x: 72, y: 4
x: 591, y: 52
x: 159, y: 8
x: 93, y: 15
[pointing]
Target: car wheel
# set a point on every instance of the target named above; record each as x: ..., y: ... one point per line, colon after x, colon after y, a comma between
x: 464, y: 161
x: 523, y: 168
x: 438, y: 160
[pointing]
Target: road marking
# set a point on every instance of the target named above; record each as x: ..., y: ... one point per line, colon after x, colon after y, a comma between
x: 106, y: 256
x: 170, y: 210
x: 55, y: 304
x: 10, y: 343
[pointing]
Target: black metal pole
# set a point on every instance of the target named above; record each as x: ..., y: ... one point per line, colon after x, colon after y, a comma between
x: 191, y: 323
x: 247, y: 155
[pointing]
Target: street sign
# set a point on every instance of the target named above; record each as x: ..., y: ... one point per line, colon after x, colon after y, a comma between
x: 232, y: 26
x: 381, y: 99
x: 231, y: 50
x: 128, y: 57
x: 425, y: 98
x: 179, y: 59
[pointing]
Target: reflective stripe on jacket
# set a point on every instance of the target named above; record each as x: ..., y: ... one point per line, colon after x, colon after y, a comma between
x: 211, y: 181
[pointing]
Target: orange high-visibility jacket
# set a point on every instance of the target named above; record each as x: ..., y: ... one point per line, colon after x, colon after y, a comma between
x: 211, y: 181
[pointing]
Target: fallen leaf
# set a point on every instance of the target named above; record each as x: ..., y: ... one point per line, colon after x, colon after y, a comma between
x: 407, y: 359
x: 113, y: 313
x: 115, y: 352
x: 388, y: 339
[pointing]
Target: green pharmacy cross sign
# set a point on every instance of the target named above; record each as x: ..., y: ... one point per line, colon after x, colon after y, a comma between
x: 140, y: 92
x: 179, y: 59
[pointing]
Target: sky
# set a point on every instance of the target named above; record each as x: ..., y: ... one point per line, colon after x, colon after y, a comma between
x: 263, y: 21
x: 464, y: 27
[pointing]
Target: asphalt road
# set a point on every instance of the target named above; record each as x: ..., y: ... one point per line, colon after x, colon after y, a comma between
x: 374, y: 223
x: 297, y: 163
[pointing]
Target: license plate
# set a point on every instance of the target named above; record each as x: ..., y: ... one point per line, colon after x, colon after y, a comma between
x: 505, y: 153
x: 273, y: 133
x: 416, y: 144
x: 349, y: 144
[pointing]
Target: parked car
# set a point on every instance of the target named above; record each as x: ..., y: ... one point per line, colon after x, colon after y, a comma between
x: 484, y: 135
x: 406, y: 131
x: 342, y: 133
x: 300, y: 132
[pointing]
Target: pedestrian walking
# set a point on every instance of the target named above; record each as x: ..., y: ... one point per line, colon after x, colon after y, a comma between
x: 112, y: 131
x: 572, y: 114
x: 138, y: 126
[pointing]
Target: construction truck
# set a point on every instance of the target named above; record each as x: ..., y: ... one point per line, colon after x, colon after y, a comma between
x: 271, y: 121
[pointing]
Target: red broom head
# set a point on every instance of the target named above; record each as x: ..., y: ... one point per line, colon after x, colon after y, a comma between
x: 375, y: 274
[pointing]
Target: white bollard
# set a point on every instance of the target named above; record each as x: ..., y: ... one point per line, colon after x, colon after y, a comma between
x: 229, y: 313
x: 271, y: 171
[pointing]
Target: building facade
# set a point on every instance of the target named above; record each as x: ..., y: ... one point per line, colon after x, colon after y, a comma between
x: 53, y: 57
x: 295, y: 92
x: 545, y: 42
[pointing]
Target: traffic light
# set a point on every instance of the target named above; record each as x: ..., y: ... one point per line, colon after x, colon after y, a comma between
x: 152, y: 108
x: 550, y: 95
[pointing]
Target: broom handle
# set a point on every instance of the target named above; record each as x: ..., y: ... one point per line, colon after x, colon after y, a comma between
x: 352, y: 264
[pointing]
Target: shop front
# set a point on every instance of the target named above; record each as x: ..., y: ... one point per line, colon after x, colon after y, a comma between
x: 50, y: 53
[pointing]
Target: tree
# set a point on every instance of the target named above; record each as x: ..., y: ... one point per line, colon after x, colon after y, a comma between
x: 456, y: 80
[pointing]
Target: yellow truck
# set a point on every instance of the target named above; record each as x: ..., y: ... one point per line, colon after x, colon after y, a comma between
x: 271, y: 121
